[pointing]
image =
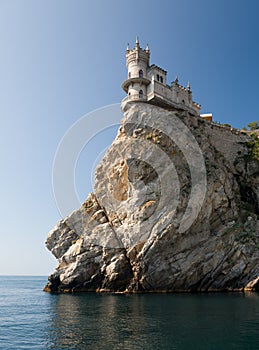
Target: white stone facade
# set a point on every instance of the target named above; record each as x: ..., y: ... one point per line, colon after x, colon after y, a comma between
x: 148, y: 83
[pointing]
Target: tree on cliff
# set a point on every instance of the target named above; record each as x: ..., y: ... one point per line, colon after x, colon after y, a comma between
x: 253, y: 126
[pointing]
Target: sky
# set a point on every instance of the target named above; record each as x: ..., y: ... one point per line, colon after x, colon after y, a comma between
x: 61, y: 60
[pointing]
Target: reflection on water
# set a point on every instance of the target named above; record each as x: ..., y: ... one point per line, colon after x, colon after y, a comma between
x: 31, y: 319
x: 99, y: 321
x: 151, y: 321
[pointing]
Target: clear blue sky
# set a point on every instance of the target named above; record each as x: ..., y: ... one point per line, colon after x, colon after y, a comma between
x: 62, y: 59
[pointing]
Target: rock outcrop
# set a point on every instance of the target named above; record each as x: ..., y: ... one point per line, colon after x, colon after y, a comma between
x: 175, y: 208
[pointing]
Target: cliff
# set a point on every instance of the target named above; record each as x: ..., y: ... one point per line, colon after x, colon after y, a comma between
x: 175, y: 208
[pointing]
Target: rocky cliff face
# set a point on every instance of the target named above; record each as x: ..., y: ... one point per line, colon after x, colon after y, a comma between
x: 175, y: 208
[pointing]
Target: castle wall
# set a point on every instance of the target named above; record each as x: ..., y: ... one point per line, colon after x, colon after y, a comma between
x: 181, y: 95
x: 162, y: 90
x: 150, y: 87
x: 196, y: 108
x: 134, y: 89
x: 156, y: 74
x: 134, y: 68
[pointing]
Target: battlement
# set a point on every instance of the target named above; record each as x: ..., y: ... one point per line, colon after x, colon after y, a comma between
x: 157, y: 67
x: 136, y: 55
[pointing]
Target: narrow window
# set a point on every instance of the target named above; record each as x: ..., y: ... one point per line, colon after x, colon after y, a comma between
x: 161, y: 79
x: 129, y: 74
x: 157, y: 77
x: 140, y: 73
x: 140, y: 94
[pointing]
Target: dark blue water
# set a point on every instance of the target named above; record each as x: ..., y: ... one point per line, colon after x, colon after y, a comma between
x: 32, y: 319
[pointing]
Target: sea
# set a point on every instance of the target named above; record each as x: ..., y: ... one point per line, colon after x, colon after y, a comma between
x: 33, y: 319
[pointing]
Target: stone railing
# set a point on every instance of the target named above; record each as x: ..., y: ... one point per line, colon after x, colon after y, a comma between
x: 135, y: 97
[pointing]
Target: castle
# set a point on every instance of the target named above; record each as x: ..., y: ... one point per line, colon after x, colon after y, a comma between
x: 148, y: 83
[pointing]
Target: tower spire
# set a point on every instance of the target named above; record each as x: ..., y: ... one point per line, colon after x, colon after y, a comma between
x: 137, y: 42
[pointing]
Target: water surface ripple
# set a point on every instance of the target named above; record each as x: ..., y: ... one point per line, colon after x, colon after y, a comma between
x: 32, y: 319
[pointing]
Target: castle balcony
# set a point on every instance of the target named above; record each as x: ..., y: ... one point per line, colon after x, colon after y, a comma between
x: 135, y: 97
x: 139, y: 80
x: 132, y: 98
x: 164, y: 102
x: 160, y: 101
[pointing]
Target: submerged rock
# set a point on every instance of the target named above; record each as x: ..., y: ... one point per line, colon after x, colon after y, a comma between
x: 175, y: 208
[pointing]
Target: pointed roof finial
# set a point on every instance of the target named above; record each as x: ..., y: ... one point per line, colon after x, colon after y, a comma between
x: 137, y: 41
x: 147, y: 48
x: 176, y: 79
x: 128, y: 47
x: 189, y: 86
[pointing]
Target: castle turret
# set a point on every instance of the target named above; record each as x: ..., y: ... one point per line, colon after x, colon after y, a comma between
x: 137, y: 63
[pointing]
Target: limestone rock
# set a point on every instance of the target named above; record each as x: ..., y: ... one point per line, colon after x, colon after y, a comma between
x: 175, y: 208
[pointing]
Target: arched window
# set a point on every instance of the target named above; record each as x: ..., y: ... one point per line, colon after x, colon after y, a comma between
x: 129, y: 75
x: 140, y: 94
x: 161, y: 79
x: 140, y: 73
x: 157, y: 77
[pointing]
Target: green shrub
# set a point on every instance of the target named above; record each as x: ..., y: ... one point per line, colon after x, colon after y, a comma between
x: 253, y: 126
x: 245, y: 237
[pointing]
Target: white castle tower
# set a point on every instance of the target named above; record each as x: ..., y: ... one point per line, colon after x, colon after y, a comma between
x: 148, y: 84
x: 137, y: 62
